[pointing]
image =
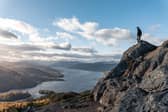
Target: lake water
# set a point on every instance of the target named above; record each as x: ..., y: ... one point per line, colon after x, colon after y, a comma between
x: 74, y: 80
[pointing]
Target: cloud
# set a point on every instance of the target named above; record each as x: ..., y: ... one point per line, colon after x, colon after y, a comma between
x: 35, y: 40
x: 22, y: 28
x: 7, y: 34
x: 64, y: 35
x: 90, y: 31
x: 30, y: 44
x: 21, y: 48
x: 85, y: 50
x: 74, y: 56
x: 21, y: 52
x: 111, y: 36
x: 29, y: 47
x: 31, y: 52
x: 62, y: 46
x: 152, y: 39
x: 16, y: 25
x: 68, y: 24
x: 116, y: 33
x: 73, y: 24
x: 35, y: 47
x: 154, y: 27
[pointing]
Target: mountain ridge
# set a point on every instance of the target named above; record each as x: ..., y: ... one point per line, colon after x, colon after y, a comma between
x: 88, y: 66
x: 21, y: 76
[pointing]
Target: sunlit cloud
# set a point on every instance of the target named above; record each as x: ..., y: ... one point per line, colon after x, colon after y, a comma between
x: 22, y: 41
x: 19, y: 26
x: 90, y: 31
x: 64, y: 35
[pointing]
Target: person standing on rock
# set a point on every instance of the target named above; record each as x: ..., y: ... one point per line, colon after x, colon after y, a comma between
x: 139, y: 34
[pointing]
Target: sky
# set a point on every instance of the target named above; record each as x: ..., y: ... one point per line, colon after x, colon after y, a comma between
x: 87, y: 30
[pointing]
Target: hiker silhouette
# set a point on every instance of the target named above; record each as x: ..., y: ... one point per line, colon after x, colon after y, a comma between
x: 139, y: 34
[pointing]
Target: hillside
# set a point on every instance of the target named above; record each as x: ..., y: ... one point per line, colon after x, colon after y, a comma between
x: 21, y: 76
x: 138, y: 83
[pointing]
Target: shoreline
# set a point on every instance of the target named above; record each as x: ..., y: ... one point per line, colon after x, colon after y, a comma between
x: 62, y: 102
x: 21, y: 76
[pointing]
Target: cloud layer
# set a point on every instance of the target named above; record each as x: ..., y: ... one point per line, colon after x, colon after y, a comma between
x: 18, y: 26
x: 7, y: 34
x: 22, y: 41
x: 90, y: 31
x: 28, y: 44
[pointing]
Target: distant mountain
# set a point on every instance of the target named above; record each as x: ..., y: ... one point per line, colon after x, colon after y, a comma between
x: 94, y: 66
x: 23, y: 75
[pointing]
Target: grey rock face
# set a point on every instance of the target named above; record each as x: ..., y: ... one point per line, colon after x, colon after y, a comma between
x: 132, y: 100
x: 139, y: 83
x: 156, y: 80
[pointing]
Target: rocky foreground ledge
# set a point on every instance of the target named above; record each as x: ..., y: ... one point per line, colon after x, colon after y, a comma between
x: 139, y: 83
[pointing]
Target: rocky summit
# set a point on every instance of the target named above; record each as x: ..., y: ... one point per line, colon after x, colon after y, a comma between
x: 139, y: 83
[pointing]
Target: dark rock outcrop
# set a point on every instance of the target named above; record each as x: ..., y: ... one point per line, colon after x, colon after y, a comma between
x: 139, y: 83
